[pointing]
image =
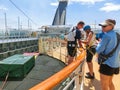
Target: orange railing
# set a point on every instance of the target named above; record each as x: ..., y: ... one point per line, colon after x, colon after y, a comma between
x: 54, y: 80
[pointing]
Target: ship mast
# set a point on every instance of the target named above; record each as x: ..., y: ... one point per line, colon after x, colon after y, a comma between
x: 6, y: 30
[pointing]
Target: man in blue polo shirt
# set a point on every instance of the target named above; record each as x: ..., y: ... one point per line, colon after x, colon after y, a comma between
x: 111, y: 65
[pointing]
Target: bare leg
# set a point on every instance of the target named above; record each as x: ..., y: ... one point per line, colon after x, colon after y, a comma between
x: 105, y: 81
x: 90, y: 67
x: 70, y: 60
x: 111, y: 85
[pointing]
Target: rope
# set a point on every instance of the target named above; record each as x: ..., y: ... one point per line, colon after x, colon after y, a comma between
x: 90, y: 44
x: 5, y: 81
x: 90, y: 51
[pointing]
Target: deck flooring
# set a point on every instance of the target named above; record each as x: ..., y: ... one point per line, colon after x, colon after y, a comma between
x: 96, y: 82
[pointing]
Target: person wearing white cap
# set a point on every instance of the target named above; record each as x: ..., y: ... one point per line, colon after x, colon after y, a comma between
x: 111, y: 65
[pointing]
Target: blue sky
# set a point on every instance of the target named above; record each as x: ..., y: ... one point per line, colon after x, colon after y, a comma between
x: 42, y: 12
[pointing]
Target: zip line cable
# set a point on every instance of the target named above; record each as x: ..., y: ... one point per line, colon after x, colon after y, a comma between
x: 22, y: 12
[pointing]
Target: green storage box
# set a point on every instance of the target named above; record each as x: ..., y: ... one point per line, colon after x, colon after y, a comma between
x: 17, y: 65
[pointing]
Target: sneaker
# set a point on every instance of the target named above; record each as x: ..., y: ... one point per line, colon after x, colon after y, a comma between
x: 87, y: 73
x: 89, y: 76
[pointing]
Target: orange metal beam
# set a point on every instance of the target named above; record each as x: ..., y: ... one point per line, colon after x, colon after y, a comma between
x: 51, y: 82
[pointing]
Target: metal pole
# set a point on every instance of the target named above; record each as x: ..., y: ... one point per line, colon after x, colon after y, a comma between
x: 6, y: 32
x: 28, y: 24
x: 18, y: 23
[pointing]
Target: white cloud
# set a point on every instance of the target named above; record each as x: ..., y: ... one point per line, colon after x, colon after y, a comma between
x: 109, y: 7
x: 54, y: 4
x: 78, y: 1
x: 85, y: 1
x: 3, y: 8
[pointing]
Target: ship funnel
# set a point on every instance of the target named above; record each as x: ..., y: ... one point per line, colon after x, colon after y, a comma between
x: 60, y: 15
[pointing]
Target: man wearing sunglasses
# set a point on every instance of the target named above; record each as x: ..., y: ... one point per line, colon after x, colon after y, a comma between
x: 111, y: 65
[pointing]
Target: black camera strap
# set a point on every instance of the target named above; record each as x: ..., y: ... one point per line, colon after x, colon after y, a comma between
x: 114, y: 49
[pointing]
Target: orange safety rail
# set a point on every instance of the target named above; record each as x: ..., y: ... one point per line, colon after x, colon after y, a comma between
x: 54, y: 80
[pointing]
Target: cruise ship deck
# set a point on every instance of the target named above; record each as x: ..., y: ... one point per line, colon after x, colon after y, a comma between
x: 46, y: 66
x: 52, y: 58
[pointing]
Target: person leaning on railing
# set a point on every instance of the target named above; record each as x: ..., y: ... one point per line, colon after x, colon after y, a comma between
x: 73, y: 37
x: 111, y: 65
x: 90, y: 43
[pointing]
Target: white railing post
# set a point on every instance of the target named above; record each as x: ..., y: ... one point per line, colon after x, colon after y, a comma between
x: 77, y: 79
x: 79, y: 76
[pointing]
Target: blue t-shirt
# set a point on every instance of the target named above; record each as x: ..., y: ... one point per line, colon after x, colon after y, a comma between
x: 109, y: 41
x: 100, y: 35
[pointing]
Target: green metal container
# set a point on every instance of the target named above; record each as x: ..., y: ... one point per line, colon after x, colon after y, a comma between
x: 17, y: 65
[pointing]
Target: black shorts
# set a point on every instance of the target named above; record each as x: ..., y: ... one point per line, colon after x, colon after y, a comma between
x: 71, y: 48
x: 107, y: 70
x: 90, y: 53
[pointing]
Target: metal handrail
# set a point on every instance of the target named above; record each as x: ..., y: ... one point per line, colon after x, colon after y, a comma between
x: 54, y: 80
